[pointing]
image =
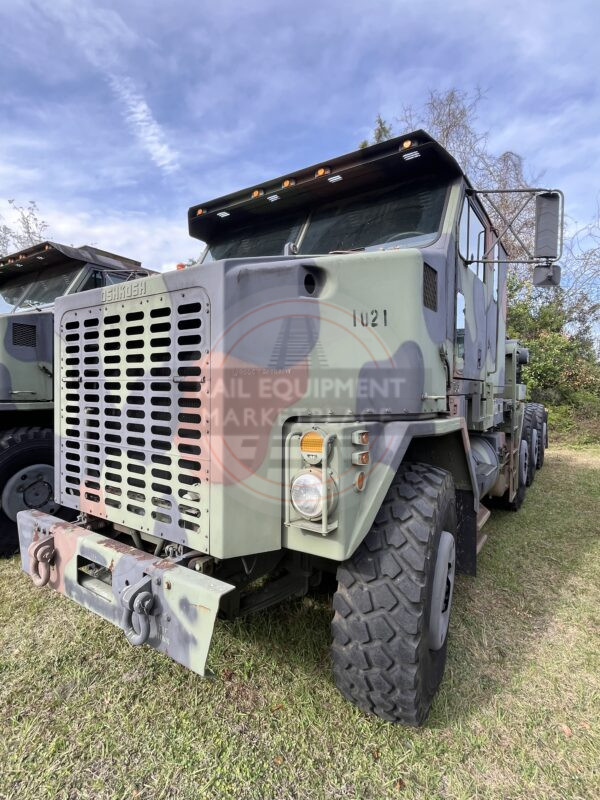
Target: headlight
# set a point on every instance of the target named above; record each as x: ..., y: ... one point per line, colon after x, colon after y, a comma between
x: 306, y: 494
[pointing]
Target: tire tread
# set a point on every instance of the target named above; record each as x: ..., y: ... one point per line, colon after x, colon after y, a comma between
x: 377, y: 641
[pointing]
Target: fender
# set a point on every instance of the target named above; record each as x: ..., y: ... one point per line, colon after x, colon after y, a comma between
x: 442, y: 443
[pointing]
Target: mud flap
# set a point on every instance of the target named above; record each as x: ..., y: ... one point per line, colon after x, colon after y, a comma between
x: 156, y: 602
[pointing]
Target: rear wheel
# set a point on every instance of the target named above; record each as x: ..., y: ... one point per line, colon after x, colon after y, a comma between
x: 394, y: 597
x: 523, y: 471
x: 530, y: 433
x: 541, y: 425
x: 26, y: 479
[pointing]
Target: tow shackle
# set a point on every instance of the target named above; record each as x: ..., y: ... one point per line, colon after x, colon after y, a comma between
x: 41, y: 554
x: 137, y: 604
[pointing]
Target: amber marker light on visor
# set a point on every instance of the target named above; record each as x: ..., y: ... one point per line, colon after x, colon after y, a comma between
x: 200, y: 212
x: 257, y: 193
x: 288, y: 182
x: 406, y: 144
x: 322, y: 171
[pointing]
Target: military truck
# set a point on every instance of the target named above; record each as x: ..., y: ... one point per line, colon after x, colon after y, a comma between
x: 30, y: 281
x: 329, y: 392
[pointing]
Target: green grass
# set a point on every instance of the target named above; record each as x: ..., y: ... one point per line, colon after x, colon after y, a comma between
x: 84, y: 715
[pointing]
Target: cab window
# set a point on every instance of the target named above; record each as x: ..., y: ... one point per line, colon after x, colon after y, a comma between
x: 459, y: 335
x: 471, y: 239
x: 495, y: 266
x: 99, y: 277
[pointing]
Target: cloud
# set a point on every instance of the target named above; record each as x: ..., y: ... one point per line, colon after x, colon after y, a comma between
x: 103, y: 38
x: 139, y: 116
x: 124, y: 114
x: 159, y: 241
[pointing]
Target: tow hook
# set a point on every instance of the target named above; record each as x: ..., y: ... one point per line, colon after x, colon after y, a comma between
x: 137, y: 602
x: 41, y: 554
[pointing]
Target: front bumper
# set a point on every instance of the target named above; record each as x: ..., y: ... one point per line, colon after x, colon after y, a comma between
x: 155, y: 601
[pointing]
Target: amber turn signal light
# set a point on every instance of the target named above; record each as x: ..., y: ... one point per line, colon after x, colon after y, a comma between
x: 311, y: 442
x: 360, y: 437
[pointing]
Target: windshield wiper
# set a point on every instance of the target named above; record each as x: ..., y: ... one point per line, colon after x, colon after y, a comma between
x: 31, y: 303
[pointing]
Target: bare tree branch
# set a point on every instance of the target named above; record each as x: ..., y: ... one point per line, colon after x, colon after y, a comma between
x: 26, y: 228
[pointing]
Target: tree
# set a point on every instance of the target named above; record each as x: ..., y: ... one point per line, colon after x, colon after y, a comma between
x: 560, y: 325
x: 381, y: 132
x: 25, y: 230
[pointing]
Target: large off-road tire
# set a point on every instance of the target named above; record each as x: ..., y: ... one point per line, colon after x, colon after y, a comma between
x: 393, y: 602
x: 524, y: 471
x: 541, y: 424
x: 26, y: 479
x: 530, y: 433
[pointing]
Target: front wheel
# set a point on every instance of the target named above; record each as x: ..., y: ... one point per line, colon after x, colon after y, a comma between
x: 26, y: 479
x: 394, y: 597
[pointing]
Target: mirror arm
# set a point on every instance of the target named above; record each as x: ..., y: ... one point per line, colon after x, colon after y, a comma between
x: 508, y: 225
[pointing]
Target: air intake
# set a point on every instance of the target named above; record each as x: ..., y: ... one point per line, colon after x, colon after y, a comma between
x: 24, y: 335
x: 430, y: 287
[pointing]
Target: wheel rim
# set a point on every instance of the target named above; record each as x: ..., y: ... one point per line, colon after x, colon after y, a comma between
x: 30, y: 488
x: 523, y: 462
x: 534, y: 446
x: 443, y: 588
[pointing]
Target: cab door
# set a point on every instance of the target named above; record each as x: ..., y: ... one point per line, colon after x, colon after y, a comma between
x: 471, y: 301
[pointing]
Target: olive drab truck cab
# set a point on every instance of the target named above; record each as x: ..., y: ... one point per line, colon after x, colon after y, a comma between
x: 30, y: 282
x: 329, y: 391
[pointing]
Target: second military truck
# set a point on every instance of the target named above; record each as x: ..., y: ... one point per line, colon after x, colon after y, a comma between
x: 30, y: 282
x: 330, y: 390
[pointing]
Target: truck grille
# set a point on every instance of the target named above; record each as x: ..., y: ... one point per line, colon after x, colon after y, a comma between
x: 133, y: 413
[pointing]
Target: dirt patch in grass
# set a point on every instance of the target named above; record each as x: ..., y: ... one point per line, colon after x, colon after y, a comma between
x: 84, y: 715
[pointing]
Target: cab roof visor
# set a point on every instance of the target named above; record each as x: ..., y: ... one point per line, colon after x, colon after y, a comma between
x: 376, y: 166
x: 47, y: 254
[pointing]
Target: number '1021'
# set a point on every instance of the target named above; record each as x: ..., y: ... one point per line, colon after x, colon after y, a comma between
x: 370, y: 319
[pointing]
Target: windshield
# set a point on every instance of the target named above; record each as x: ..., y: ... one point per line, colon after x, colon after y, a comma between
x: 375, y: 219
x: 267, y: 240
x: 33, y: 289
x: 406, y: 214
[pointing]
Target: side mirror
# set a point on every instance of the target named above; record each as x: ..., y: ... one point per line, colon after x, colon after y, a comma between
x: 546, y: 276
x: 547, y: 225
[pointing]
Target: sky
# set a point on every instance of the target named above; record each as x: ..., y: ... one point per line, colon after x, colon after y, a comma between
x: 115, y: 117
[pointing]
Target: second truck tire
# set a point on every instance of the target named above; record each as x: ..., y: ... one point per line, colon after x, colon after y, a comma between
x: 20, y: 450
